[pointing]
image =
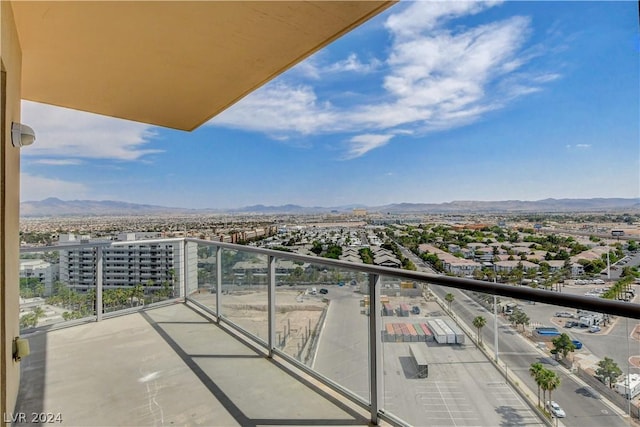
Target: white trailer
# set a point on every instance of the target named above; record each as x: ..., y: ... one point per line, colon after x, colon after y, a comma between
x: 451, y: 335
x: 438, y: 333
x: 633, y: 386
x: 456, y: 330
x: 419, y: 360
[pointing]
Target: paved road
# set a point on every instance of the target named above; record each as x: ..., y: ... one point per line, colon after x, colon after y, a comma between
x: 342, y: 353
x: 518, y: 354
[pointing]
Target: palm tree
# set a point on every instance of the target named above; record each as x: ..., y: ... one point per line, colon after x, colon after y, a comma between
x: 479, y: 322
x: 554, y: 383
x: 449, y: 298
x: 137, y: 294
x: 550, y: 381
x: 536, y: 370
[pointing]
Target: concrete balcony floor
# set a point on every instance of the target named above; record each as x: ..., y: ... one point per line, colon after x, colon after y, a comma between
x: 170, y: 366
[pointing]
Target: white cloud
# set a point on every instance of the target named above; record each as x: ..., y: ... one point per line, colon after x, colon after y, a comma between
x: 315, y: 67
x: 62, y: 132
x: 57, y: 162
x: 423, y: 15
x: 39, y: 188
x: 277, y: 108
x: 353, y: 64
x: 578, y: 146
x: 436, y: 79
x: 360, y: 144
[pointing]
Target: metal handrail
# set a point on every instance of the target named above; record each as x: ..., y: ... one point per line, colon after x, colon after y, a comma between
x: 600, y: 305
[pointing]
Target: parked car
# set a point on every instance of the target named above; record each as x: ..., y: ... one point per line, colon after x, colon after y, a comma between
x: 595, y: 328
x: 324, y: 291
x: 556, y: 410
x: 415, y: 309
x: 564, y: 314
x: 571, y: 324
x: 577, y: 344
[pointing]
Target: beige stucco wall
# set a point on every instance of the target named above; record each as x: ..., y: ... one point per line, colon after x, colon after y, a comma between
x: 11, y: 58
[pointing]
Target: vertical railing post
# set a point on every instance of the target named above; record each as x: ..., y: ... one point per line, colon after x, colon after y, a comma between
x: 185, y: 275
x: 271, y: 294
x: 99, y: 269
x: 375, y: 347
x: 218, y: 282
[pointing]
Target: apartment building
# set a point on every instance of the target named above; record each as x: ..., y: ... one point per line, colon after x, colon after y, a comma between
x: 42, y: 270
x: 151, y: 264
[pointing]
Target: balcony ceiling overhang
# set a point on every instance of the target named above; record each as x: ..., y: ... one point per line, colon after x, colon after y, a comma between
x: 170, y: 63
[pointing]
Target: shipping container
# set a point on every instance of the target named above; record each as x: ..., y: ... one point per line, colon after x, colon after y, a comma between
x: 397, y: 331
x: 456, y: 330
x: 451, y: 336
x: 420, y: 332
x: 387, y: 309
x: 413, y: 334
x: 419, y: 360
x: 427, y: 332
x: 403, y: 310
x: 390, y: 334
x: 438, y: 333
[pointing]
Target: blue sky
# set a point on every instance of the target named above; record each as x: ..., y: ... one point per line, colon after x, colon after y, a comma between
x: 429, y: 102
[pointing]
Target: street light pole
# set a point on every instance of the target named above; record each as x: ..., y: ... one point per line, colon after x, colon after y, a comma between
x: 495, y: 326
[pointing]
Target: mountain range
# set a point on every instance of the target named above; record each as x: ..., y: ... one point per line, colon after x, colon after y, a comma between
x: 53, y: 207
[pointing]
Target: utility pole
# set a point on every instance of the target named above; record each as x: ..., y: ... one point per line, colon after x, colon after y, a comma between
x: 495, y: 327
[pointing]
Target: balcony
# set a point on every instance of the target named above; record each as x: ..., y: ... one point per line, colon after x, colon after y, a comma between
x: 308, y: 348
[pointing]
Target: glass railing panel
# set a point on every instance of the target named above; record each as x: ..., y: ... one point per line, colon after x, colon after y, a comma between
x: 322, y: 321
x: 204, y: 290
x: 486, y: 377
x: 244, y: 299
x: 130, y: 283
x: 433, y: 369
x: 51, y: 292
x: 590, y: 353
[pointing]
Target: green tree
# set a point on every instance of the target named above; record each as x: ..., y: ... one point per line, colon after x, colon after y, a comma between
x: 536, y: 370
x: 519, y: 317
x: 449, y: 299
x: 366, y: 255
x: 608, y: 371
x: 333, y: 251
x: 479, y: 322
x: 563, y: 345
x: 549, y: 381
x: 28, y: 320
x: 316, y: 247
x: 137, y: 294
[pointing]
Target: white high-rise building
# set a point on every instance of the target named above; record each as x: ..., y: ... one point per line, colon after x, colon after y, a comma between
x: 150, y: 264
x: 39, y: 269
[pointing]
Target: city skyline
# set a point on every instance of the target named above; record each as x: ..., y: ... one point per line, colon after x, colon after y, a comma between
x: 429, y: 102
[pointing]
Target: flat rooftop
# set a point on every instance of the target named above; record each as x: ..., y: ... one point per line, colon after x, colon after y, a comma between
x: 171, y: 365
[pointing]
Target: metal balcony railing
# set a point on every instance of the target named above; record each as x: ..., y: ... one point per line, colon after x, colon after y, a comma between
x: 186, y: 287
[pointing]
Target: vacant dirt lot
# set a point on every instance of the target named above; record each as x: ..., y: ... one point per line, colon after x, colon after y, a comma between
x: 297, y: 315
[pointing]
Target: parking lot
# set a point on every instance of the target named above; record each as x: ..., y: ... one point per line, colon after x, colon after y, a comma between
x: 462, y: 389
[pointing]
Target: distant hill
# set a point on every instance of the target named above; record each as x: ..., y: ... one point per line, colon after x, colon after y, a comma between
x: 546, y: 205
x: 56, y: 207
x: 53, y: 207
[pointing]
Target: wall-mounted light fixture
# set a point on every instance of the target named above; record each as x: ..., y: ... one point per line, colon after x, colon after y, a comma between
x: 20, y: 348
x: 22, y: 135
